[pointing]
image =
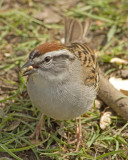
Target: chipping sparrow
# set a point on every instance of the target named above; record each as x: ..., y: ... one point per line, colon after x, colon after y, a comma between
x: 63, y: 79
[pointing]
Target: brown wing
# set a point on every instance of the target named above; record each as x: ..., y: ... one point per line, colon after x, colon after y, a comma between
x: 75, y: 35
x: 88, y: 60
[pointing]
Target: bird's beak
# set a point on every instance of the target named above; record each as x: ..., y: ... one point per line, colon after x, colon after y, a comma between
x: 27, y: 64
x: 30, y: 69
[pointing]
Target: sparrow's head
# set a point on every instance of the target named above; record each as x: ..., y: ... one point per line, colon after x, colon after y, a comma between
x: 49, y: 58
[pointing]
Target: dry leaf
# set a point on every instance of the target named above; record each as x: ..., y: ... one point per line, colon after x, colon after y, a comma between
x: 48, y: 16
x: 118, y: 60
x: 62, y: 40
x: 13, y: 126
x: 62, y: 133
x: 105, y: 120
x: 5, y: 158
x: 7, y: 54
x: 125, y: 92
x: 123, y: 73
x: 63, y: 4
x: 99, y: 23
x: 119, y: 83
x: 1, y: 112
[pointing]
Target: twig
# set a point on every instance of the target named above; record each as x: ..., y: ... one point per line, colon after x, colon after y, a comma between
x: 113, y: 98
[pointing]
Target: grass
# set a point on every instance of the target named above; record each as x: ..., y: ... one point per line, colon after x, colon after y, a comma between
x: 19, y: 34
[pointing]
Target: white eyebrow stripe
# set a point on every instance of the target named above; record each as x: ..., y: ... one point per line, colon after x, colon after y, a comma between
x: 57, y: 53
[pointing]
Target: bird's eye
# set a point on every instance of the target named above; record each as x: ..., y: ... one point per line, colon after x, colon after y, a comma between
x: 47, y: 59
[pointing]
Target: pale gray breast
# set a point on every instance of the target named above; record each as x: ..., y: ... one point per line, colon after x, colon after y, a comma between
x: 61, y: 102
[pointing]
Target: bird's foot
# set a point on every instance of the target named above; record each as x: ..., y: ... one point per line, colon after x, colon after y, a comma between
x: 37, y: 133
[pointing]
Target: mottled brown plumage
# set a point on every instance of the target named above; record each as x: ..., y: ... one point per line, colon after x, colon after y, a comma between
x: 88, y: 60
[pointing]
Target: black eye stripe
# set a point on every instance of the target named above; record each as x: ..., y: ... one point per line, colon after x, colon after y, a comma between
x: 34, y: 54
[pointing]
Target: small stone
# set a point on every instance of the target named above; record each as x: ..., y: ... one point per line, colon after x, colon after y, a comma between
x: 98, y: 104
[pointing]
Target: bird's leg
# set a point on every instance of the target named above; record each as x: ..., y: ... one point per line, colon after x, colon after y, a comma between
x: 78, y: 139
x: 37, y: 133
x: 78, y: 134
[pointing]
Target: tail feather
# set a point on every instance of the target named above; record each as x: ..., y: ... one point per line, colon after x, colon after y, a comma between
x: 76, y: 31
